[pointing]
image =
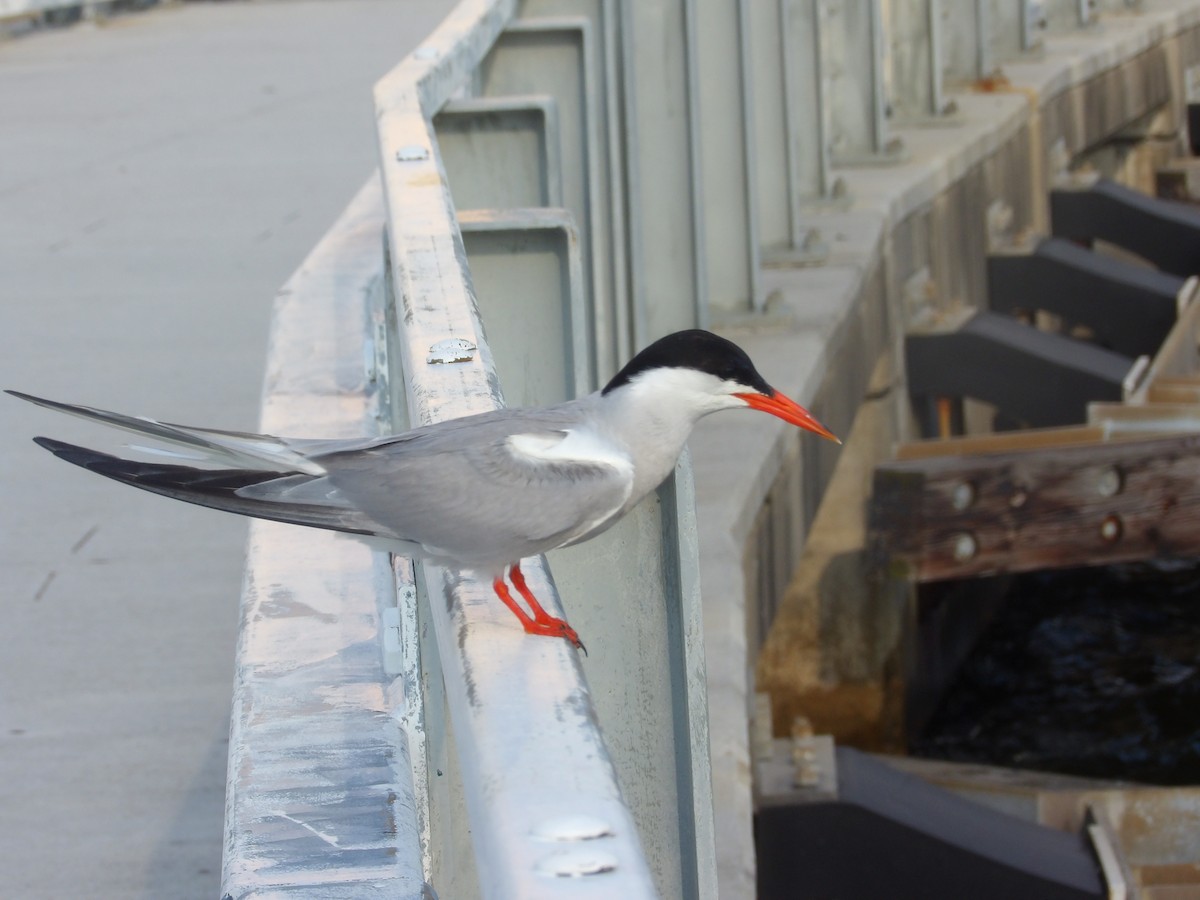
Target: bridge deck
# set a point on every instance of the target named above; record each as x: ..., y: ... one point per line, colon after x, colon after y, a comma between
x: 163, y: 175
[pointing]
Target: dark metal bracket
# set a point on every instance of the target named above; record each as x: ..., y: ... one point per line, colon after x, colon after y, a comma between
x: 1164, y: 233
x: 1129, y: 308
x: 1033, y: 377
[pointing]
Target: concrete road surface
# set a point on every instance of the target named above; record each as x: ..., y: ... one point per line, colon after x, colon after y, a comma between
x: 160, y: 177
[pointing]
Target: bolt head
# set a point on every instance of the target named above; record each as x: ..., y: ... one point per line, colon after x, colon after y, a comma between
x: 1111, y: 529
x: 412, y: 153
x: 965, y: 547
x: 1109, y: 482
x: 962, y: 496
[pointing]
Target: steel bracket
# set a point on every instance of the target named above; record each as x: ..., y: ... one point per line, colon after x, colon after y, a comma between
x: 1030, y: 376
x: 1164, y: 233
x: 1128, y: 308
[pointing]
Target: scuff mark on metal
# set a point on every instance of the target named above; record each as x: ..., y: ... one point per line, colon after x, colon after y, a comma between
x: 331, y: 841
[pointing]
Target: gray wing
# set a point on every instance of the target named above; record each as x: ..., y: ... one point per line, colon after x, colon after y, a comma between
x: 465, y: 493
x: 457, y: 489
x: 298, y: 499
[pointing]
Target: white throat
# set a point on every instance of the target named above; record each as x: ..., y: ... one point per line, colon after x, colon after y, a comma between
x: 652, y: 416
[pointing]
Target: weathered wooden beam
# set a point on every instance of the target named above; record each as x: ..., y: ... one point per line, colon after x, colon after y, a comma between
x: 953, y: 516
x: 1000, y: 442
x: 1152, y: 420
x: 1174, y: 390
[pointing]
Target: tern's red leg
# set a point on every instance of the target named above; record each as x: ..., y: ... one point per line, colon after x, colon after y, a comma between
x: 518, y: 580
x: 541, y: 622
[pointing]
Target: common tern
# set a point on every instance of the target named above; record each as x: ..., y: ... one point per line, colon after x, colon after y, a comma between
x: 480, y: 493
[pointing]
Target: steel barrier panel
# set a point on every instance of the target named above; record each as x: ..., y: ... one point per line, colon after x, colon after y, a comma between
x: 1009, y: 29
x: 789, y: 147
x: 501, y: 153
x: 557, y: 55
x: 615, y: 350
x: 527, y: 272
x: 646, y: 672
x: 1031, y: 24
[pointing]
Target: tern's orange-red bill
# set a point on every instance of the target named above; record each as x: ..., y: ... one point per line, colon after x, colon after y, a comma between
x: 789, y: 410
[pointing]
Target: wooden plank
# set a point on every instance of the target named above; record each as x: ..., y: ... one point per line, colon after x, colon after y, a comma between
x: 1001, y: 442
x: 1154, y: 418
x: 1179, y: 354
x: 1173, y: 390
x: 1179, y: 380
x: 954, y: 517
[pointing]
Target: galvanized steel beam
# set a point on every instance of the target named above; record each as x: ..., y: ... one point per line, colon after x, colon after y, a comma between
x: 852, y: 54
x: 915, y: 52
x: 669, y: 288
x: 730, y: 251
x: 791, y: 121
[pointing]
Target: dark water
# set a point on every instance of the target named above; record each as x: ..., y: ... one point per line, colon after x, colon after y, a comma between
x: 1092, y: 672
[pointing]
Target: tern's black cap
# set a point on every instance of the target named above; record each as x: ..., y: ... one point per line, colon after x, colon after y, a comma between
x: 694, y: 349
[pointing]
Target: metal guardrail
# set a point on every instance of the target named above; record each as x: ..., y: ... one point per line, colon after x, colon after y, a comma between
x: 320, y: 792
x: 578, y: 176
x: 56, y: 11
x: 540, y: 789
